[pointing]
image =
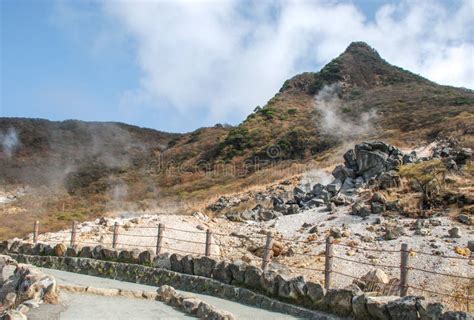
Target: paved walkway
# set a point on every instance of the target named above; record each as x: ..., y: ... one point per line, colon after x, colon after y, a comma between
x: 87, y: 306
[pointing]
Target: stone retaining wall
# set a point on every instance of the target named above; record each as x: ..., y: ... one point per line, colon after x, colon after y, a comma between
x: 236, y: 281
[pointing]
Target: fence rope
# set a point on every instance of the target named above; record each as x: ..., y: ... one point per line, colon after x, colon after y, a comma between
x: 180, y: 250
x: 367, y: 263
x: 367, y: 249
x: 188, y: 231
x: 183, y: 240
x: 306, y: 268
x: 440, y: 255
x: 462, y: 296
x: 137, y: 235
x: 135, y: 245
x: 441, y: 273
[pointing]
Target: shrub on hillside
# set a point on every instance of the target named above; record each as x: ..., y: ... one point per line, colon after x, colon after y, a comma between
x: 427, y: 177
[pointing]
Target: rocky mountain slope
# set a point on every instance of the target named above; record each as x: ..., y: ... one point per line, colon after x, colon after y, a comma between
x: 97, y: 167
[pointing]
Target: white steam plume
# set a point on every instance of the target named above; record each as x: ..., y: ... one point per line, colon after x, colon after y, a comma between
x: 312, y: 177
x: 332, y: 120
x: 9, y: 141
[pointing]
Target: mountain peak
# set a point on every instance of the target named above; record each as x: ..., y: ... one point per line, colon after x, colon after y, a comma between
x: 361, y: 48
x: 359, y: 65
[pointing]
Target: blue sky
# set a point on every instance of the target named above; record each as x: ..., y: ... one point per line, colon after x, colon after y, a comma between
x: 177, y: 66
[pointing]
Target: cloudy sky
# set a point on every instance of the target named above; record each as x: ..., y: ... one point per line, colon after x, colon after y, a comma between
x: 180, y: 65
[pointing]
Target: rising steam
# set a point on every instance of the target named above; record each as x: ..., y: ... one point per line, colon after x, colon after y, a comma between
x: 9, y: 141
x: 314, y: 176
x: 334, y: 122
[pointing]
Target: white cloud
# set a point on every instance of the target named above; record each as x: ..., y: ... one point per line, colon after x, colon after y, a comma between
x: 225, y: 58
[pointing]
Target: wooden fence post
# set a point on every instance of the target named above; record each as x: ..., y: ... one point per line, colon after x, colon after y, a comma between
x: 159, y: 238
x: 208, y: 242
x: 328, y: 263
x: 115, y: 236
x: 404, y: 270
x: 73, y: 233
x: 268, y: 250
x: 35, y: 232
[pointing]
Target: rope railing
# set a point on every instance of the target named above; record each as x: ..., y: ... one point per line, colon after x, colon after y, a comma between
x: 441, y: 273
x: 135, y: 245
x: 184, y: 240
x: 137, y: 235
x: 465, y: 297
x: 306, y: 268
x: 367, y: 263
x: 204, y: 248
x: 188, y: 231
x: 439, y: 255
x: 367, y: 249
x: 181, y: 250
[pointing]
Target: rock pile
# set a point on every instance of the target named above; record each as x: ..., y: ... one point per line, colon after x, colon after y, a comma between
x: 23, y: 287
x: 369, y: 163
x: 258, y: 213
x: 452, y: 154
x: 224, y: 203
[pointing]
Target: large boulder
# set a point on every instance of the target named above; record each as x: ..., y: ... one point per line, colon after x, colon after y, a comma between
x: 350, y: 160
x: 86, y: 252
x: 334, y: 186
x: 268, y: 283
x: 253, y: 277
x: 146, y: 257
x: 162, y: 261
x: 376, y: 157
x: 188, y: 264
x: 374, y: 280
x: 60, y: 249
x: 359, y: 307
x: 342, y: 172
x: 292, y: 288
x: 429, y: 310
x: 190, y: 305
x: 339, y: 301
x: 315, y: 291
x: 97, y: 253
x: 237, y: 268
x: 377, y: 306
x: 166, y: 293
x: 7, y: 267
x: 403, y: 308
x: 389, y: 179
x: 175, y: 263
x: 222, y: 272
x: 204, y: 266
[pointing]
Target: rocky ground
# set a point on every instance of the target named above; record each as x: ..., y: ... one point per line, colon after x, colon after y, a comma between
x: 23, y: 287
x: 360, y: 208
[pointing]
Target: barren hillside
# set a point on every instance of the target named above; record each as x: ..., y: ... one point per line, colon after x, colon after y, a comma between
x: 60, y: 171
